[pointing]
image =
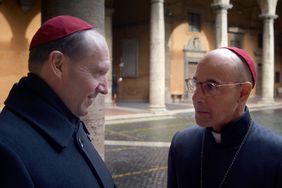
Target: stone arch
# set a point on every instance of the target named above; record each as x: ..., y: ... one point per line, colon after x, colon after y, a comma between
x: 20, y: 24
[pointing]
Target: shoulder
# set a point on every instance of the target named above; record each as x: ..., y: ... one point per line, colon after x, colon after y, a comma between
x: 7, y: 118
x: 12, y: 165
x: 193, y: 131
x: 16, y: 132
x: 188, y: 136
x: 266, y: 133
x: 185, y: 146
x: 266, y: 137
x: 11, y: 124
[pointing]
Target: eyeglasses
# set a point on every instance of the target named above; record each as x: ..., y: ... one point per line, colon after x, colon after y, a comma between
x: 208, y: 88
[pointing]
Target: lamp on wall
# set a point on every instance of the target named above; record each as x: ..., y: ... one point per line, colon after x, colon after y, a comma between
x: 168, y: 12
x: 25, y: 5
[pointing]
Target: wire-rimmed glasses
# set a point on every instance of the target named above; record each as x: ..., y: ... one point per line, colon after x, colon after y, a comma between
x: 209, y: 88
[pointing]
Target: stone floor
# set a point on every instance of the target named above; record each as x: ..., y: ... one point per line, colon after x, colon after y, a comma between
x: 137, y: 142
x: 137, y: 166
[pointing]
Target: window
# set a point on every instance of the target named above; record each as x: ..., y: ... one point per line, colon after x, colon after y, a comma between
x: 194, y: 21
x: 129, y: 62
x: 236, y: 43
x: 235, y: 39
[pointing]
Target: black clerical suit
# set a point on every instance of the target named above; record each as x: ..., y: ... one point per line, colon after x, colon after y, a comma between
x: 257, y: 165
x: 43, y: 145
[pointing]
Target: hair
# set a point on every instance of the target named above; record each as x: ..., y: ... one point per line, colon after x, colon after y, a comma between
x: 242, y: 72
x: 73, y: 46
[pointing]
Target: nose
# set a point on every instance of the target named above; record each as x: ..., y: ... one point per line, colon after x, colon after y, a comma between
x: 198, y: 93
x: 103, y: 89
x: 103, y: 86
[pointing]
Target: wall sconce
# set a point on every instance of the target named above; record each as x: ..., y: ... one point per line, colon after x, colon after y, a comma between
x: 168, y: 12
x: 25, y: 5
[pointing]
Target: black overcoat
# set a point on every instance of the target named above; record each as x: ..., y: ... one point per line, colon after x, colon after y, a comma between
x: 258, y: 164
x: 43, y: 145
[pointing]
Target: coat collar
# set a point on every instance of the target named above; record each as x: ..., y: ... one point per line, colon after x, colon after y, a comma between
x: 233, y: 133
x: 37, y: 103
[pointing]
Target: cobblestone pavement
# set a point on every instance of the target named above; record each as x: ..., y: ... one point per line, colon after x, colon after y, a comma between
x: 136, y: 152
x: 137, y: 167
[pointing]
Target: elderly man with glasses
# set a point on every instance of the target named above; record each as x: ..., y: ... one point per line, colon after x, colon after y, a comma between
x: 226, y: 148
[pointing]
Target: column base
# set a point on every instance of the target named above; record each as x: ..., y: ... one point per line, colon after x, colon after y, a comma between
x: 267, y: 100
x: 158, y: 109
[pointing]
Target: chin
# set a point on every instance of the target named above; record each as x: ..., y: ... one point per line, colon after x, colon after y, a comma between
x: 84, y: 109
x: 204, y: 124
x: 81, y: 113
x: 84, y: 113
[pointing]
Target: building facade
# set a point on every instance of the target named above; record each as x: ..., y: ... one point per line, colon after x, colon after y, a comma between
x: 156, y: 44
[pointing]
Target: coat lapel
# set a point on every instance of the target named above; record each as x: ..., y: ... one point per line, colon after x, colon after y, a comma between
x: 92, y: 157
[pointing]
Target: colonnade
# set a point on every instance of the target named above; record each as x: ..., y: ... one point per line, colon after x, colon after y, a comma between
x: 221, y: 7
x: 268, y: 8
x: 103, y: 19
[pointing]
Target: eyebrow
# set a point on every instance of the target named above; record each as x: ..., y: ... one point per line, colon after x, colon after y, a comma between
x: 208, y: 80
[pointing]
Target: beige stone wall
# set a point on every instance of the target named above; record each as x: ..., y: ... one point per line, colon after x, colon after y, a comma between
x: 177, y: 41
x: 245, y: 19
x: 133, y: 89
x: 18, y: 26
x: 180, y: 37
x: 16, y: 30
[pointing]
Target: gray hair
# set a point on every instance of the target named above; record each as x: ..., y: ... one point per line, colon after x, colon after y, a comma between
x: 242, y: 71
x: 73, y: 46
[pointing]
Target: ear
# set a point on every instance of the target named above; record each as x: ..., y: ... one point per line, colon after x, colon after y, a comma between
x: 56, y: 63
x: 246, y: 89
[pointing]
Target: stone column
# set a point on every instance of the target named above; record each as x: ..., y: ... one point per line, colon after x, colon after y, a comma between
x: 157, y: 57
x: 93, y: 11
x: 221, y: 7
x: 168, y: 28
x: 268, y: 15
x: 109, y: 39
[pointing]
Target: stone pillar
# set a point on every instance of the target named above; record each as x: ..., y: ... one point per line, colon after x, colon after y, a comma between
x: 268, y: 15
x: 93, y: 11
x: 109, y: 39
x: 157, y: 57
x: 168, y: 28
x: 221, y: 7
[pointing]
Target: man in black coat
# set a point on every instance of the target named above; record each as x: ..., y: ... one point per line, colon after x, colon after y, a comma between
x: 226, y: 148
x: 43, y: 143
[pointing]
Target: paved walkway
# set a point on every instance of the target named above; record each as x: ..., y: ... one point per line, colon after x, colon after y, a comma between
x: 134, y: 112
x: 137, y: 141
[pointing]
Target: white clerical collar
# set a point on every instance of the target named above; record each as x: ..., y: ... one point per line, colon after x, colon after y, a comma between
x: 217, y: 136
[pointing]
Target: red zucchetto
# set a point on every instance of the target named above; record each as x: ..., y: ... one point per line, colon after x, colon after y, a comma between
x: 246, y: 58
x: 56, y: 28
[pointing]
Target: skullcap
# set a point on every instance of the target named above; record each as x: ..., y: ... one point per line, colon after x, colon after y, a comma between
x: 246, y: 58
x: 56, y: 28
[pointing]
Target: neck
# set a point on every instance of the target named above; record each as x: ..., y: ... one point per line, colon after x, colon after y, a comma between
x: 237, y: 115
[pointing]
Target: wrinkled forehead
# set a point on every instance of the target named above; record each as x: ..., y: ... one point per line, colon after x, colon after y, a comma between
x: 96, y: 42
x: 217, y: 65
